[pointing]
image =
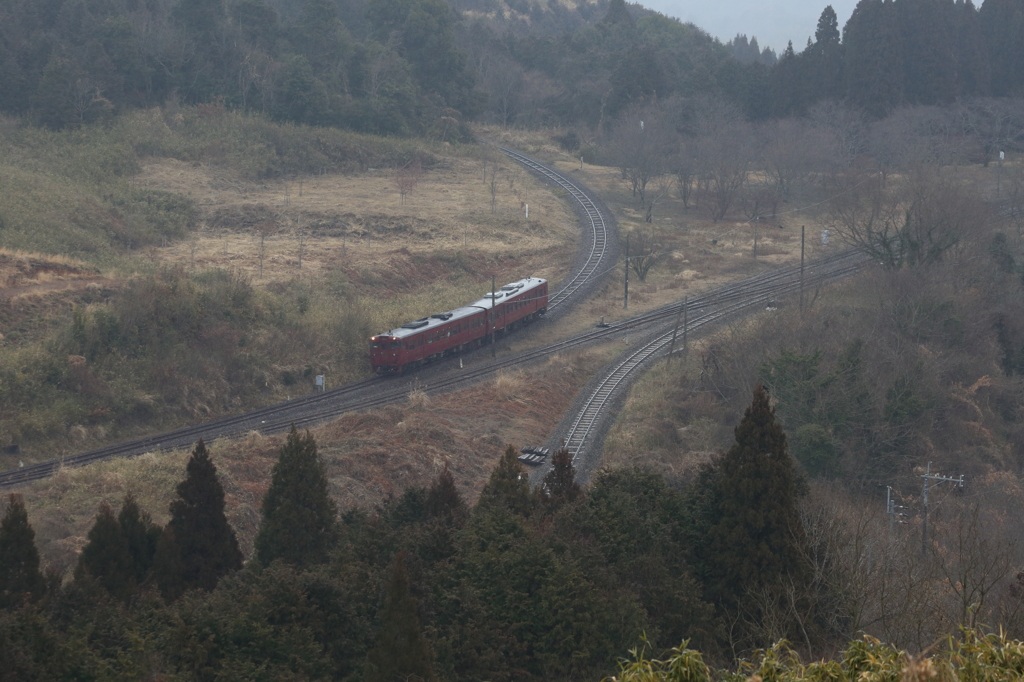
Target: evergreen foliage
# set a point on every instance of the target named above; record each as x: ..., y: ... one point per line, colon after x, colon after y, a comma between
x: 106, y: 558
x: 443, y: 499
x: 508, y: 487
x: 401, y: 651
x: 299, y: 522
x: 198, y: 540
x: 141, y: 535
x: 20, y: 578
x: 757, y: 542
x: 560, y: 486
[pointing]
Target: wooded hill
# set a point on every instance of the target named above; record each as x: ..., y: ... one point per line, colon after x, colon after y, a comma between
x: 424, y: 66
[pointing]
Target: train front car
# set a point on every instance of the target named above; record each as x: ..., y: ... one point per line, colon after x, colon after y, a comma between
x: 386, y: 353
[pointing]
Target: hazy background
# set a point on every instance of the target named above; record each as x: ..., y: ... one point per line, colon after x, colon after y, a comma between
x: 774, y: 23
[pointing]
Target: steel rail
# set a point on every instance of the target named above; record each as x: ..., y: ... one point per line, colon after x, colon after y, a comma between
x: 599, y: 230
x: 319, y: 407
x: 599, y: 398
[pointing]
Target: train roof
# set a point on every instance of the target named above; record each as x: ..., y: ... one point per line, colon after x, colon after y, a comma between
x: 424, y: 324
x: 510, y: 290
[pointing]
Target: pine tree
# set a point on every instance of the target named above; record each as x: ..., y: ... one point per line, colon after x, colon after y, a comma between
x: 401, y: 651
x: 19, y: 559
x: 443, y: 499
x: 758, y: 541
x: 168, y: 572
x: 198, y: 538
x: 106, y: 557
x: 508, y: 486
x: 873, y: 57
x: 560, y: 486
x: 300, y: 520
x: 141, y: 535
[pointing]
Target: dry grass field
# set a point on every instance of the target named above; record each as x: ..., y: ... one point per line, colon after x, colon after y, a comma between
x: 361, y: 225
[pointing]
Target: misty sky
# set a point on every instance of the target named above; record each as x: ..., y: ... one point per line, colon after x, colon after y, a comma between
x: 774, y: 22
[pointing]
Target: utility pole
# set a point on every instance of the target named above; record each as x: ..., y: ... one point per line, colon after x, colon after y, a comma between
x: 938, y: 479
x: 625, y: 295
x: 686, y: 323
x: 891, y: 507
x: 999, y: 174
x: 494, y: 319
x: 675, y: 330
x: 801, y: 267
x: 757, y: 221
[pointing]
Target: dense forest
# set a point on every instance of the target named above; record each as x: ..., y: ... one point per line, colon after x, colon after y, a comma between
x: 552, y: 582
x: 424, y: 66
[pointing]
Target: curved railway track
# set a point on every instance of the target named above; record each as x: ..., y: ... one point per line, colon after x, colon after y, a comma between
x: 602, y: 230
x: 719, y: 306
x: 598, y: 238
x: 714, y: 306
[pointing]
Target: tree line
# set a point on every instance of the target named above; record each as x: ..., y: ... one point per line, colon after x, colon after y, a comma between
x: 530, y: 583
x: 414, y: 67
x: 386, y: 67
x: 905, y: 52
x: 551, y: 582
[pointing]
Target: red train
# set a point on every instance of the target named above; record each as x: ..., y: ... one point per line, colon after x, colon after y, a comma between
x: 431, y: 338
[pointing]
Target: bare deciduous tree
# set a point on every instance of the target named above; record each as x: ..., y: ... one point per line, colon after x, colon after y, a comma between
x: 791, y: 153
x: 846, y: 126
x: 493, y: 175
x: 505, y: 80
x: 407, y: 177
x: 641, y: 147
x: 263, y: 230
x: 919, y: 222
x: 647, y: 249
x: 723, y: 154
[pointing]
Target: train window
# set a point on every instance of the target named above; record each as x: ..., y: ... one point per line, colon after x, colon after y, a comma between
x: 396, y: 344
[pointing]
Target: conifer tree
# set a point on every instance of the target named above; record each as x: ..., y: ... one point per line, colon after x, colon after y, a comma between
x: 198, y: 539
x: 443, y: 498
x: 106, y: 557
x: 508, y: 486
x: 560, y: 486
x: 19, y: 559
x: 758, y: 540
x: 401, y: 651
x: 300, y: 520
x: 141, y: 535
x: 168, y: 572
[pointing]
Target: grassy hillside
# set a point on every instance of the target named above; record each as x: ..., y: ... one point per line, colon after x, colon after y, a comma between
x: 180, y: 264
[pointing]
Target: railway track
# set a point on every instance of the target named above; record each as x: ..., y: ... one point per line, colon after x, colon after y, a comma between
x: 375, y: 392
x: 720, y: 306
x: 600, y: 237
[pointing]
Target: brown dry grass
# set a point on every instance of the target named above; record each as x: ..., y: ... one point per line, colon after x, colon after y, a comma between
x: 357, y: 223
x: 23, y: 269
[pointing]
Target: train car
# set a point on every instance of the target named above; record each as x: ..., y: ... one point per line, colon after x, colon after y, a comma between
x: 431, y: 338
x: 515, y: 303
